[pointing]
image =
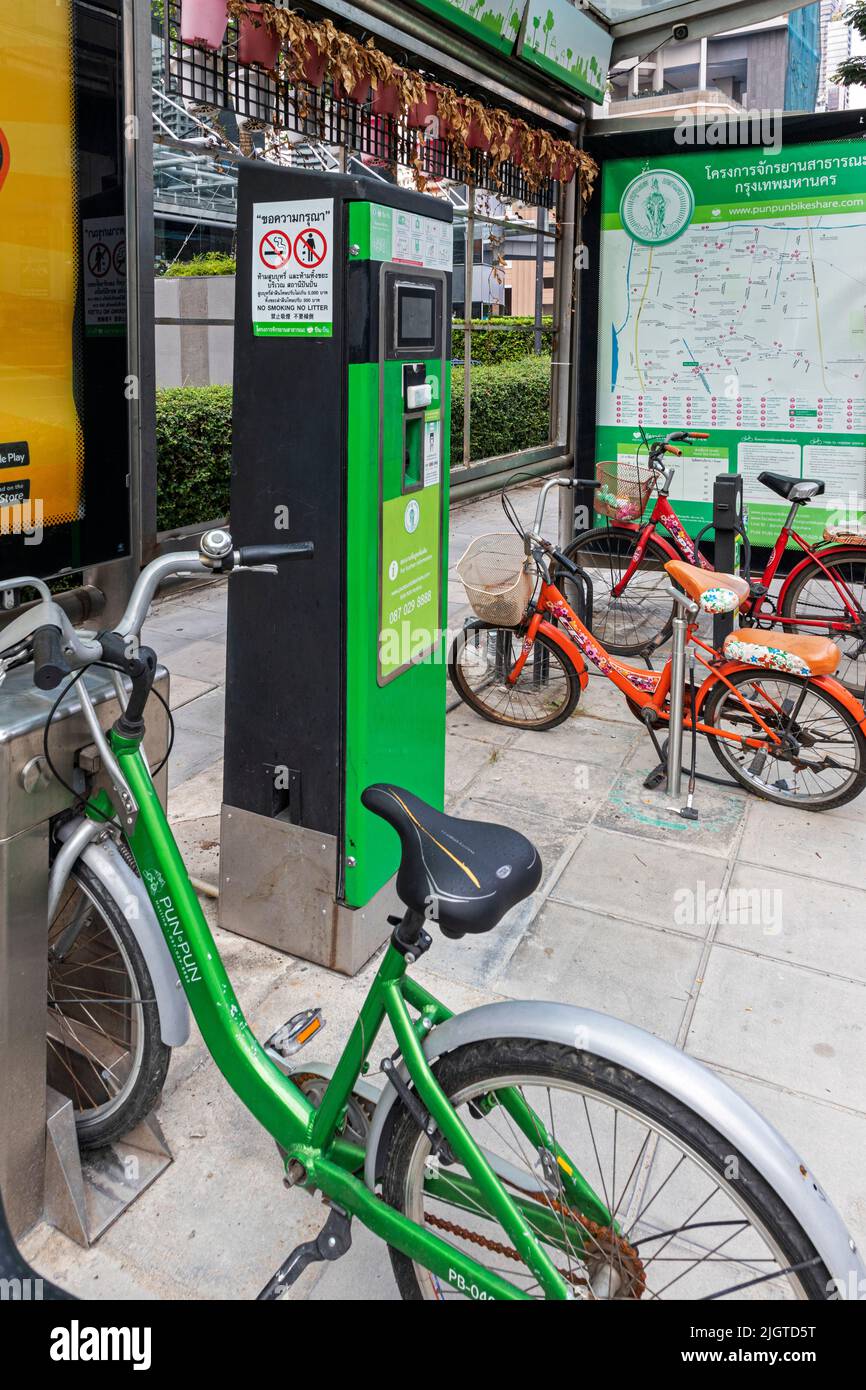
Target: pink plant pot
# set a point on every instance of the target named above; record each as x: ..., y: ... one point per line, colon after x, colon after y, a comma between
x: 203, y: 23
x: 315, y: 65
x: 475, y: 137
x: 516, y: 151
x: 358, y: 94
x: 386, y: 101
x: 256, y: 42
x: 563, y: 171
x: 422, y: 112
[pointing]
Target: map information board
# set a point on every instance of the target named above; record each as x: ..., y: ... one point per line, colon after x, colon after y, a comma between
x: 733, y: 301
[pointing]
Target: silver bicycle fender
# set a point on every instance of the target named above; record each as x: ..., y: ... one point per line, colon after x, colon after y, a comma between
x: 126, y: 888
x: 682, y: 1077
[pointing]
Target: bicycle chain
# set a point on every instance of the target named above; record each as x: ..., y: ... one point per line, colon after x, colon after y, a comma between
x: 601, y: 1234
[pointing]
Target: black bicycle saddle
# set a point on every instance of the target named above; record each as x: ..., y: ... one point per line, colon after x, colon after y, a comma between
x: 462, y: 874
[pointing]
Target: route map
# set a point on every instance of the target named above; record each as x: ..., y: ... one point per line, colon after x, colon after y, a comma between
x: 725, y: 310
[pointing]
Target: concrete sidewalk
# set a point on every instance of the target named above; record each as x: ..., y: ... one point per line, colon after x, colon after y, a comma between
x: 740, y: 938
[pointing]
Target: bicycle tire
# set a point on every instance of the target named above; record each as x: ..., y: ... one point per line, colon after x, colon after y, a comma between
x: 546, y: 648
x: 145, y: 1082
x: 480, y: 1064
x: 725, y: 749
x: 851, y: 675
x: 586, y: 550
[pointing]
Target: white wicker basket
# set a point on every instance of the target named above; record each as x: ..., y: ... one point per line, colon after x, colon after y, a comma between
x: 498, y: 578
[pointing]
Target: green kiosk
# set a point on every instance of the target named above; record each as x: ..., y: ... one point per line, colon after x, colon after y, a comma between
x: 336, y: 676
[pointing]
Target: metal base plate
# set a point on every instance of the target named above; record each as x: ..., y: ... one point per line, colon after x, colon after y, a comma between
x: 277, y: 884
x: 85, y: 1193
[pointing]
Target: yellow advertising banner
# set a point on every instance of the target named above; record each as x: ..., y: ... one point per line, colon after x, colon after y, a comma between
x: 41, y: 446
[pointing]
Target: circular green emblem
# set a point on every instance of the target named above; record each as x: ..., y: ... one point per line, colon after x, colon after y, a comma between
x: 656, y: 207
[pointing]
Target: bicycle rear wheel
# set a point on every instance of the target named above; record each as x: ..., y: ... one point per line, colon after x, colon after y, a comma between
x: 545, y: 693
x: 821, y: 762
x: 812, y: 595
x: 105, y: 1051
x: 693, y: 1219
x: 642, y: 616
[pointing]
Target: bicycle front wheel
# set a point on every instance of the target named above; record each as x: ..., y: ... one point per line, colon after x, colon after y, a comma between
x: 105, y: 1051
x: 642, y: 615
x: 820, y: 759
x: 691, y: 1218
x: 544, y: 694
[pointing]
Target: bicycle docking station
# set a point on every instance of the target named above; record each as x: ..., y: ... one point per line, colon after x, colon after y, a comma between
x: 42, y: 1173
x: 336, y: 671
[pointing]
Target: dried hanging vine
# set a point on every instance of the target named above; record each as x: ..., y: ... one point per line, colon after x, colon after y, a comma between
x: 353, y: 65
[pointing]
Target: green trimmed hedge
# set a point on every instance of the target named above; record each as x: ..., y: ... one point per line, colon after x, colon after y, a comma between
x: 206, y: 263
x: 497, y: 344
x: 510, y: 408
x: 510, y: 411
x: 194, y: 454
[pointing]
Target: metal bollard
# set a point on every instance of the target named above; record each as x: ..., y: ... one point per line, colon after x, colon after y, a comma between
x: 675, y: 725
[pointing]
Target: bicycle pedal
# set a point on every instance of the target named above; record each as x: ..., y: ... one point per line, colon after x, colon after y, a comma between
x: 295, y: 1034
x: 655, y: 778
x: 332, y: 1242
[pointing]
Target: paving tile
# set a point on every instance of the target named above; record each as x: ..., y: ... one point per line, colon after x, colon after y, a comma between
x: 204, y: 660
x: 184, y: 689
x: 654, y: 815
x: 205, y: 715
x: 192, y: 754
x: 805, y: 842
x: 198, y: 796
x: 783, y: 1024
x: 802, y: 920
x: 583, y: 737
x: 576, y: 957
x: 464, y: 759
x: 559, y: 788
x: 624, y: 876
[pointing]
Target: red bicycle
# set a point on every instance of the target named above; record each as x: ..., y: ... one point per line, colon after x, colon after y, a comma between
x: 823, y: 595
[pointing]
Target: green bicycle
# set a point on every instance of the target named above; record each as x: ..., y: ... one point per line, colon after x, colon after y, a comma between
x: 520, y: 1150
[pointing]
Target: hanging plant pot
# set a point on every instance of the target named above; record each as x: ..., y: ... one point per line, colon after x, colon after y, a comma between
x: 475, y: 137
x: 256, y: 42
x: 315, y: 64
x: 358, y: 94
x: 203, y: 23
x: 564, y: 170
x: 386, y: 100
x: 421, y: 113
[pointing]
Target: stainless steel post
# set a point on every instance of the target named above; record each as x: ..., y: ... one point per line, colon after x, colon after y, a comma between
x: 675, y: 728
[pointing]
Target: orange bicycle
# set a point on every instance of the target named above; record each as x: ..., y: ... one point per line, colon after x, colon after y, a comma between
x: 775, y: 717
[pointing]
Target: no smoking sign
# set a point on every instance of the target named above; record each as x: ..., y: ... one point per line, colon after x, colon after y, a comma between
x: 275, y: 250
x: 293, y: 269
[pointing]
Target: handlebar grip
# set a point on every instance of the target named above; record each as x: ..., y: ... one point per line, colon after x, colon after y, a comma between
x: 698, y: 436
x: 273, y: 554
x: 48, y: 659
x: 669, y: 449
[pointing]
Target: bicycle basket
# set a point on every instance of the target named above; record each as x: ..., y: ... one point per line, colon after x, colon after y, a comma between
x: 624, y: 492
x: 498, y: 578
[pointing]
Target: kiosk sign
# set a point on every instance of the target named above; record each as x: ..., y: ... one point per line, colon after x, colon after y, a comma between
x: 293, y: 269
x: 410, y: 582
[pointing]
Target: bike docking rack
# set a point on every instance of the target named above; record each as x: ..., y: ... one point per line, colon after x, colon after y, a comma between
x: 729, y: 525
x: 42, y: 1173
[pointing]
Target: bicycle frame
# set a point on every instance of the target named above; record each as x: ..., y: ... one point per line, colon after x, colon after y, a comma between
x: 643, y: 688
x: 663, y: 514
x: 310, y: 1137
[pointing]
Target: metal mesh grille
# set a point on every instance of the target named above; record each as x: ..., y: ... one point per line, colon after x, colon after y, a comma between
x: 497, y: 578
x: 218, y: 79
